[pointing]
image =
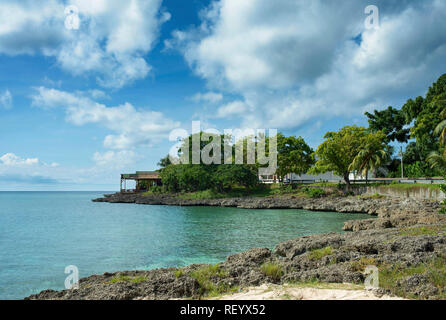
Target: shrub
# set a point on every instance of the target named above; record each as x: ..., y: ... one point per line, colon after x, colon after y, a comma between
x: 124, y: 278
x: 318, y: 254
x: 206, y: 278
x: 434, y: 271
x: 272, y: 270
x: 200, y: 177
x: 314, y: 192
x: 361, y: 264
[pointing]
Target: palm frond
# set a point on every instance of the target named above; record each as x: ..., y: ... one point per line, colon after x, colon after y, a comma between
x: 437, y: 160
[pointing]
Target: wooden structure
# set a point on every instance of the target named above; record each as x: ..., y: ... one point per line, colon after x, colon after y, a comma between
x: 144, y: 180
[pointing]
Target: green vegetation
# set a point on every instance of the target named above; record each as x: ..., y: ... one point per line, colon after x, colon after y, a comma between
x: 417, y: 119
x: 424, y: 230
x: 179, y: 273
x: 372, y: 155
x: 313, y: 192
x: 209, y: 278
x: 350, y: 149
x: 340, y: 149
x: 272, y: 270
x: 361, y: 264
x: 318, y: 254
x: 294, y: 155
x: 434, y: 271
x: 124, y: 278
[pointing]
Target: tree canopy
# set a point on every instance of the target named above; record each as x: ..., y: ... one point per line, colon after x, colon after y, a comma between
x: 338, y: 151
x: 390, y: 121
x: 294, y: 155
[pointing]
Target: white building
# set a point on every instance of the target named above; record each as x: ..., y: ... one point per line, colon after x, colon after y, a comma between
x: 311, y: 178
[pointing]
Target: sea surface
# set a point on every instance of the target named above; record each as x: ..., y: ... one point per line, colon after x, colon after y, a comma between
x: 41, y: 233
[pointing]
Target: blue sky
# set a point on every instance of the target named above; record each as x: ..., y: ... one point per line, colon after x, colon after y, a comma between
x: 79, y: 106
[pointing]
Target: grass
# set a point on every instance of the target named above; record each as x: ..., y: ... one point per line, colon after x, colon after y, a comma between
x: 236, y: 192
x: 361, y: 264
x: 434, y: 271
x: 314, y: 190
x: 318, y: 254
x: 272, y: 270
x: 124, y: 278
x: 207, y: 276
x: 423, y: 231
x: 261, y: 191
x: 179, y: 273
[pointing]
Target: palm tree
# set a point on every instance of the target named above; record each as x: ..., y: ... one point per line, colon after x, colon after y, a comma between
x: 372, y: 155
x: 437, y: 160
x: 440, y: 130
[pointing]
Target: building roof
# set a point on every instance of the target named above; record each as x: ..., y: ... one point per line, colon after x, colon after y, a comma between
x: 141, y: 175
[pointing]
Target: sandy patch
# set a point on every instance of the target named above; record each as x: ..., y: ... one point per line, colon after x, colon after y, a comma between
x: 290, y: 292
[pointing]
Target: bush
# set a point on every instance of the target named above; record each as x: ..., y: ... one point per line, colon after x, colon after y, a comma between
x: 318, y: 254
x: 209, y: 279
x: 272, y: 270
x: 314, y: 192
x: 193, y: 178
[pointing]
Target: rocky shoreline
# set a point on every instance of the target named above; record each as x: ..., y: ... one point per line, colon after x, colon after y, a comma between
x: 406, y: 242
x: 390, y: 212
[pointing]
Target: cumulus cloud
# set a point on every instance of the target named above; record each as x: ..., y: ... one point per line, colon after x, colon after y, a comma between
x: 131, y: 126
x: 10, y: 159
x: 111, y: 42
x: 291, y: 62
x: 232, y: 109
x: 6, y: 100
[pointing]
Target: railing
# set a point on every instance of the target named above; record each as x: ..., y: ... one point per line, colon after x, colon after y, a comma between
x: 434, y: 180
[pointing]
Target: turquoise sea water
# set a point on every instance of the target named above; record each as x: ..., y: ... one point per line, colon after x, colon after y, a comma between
x: 43, y: 232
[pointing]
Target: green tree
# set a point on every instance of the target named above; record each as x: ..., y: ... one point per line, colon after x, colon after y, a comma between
x: 294, y: 155
x: 440, y: 130
x: 372, y: 155
x: 228, y: 176
x: 426, y: 113
x: 339, y: 150
x: 390, y: 121
x: 164, y: 162
x: 436, y: 159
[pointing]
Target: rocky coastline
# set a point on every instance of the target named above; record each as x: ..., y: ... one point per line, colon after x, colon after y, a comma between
x: 406, y: 241
x: 390, y: 212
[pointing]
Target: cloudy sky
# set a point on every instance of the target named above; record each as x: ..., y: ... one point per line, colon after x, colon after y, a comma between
x: 89, y: 89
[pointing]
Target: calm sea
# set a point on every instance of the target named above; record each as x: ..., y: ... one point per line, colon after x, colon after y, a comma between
x: 43, y: 232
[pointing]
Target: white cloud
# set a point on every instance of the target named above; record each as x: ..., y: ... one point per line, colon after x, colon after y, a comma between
x: 131, y: 126
x: 118, y: 160
x: 10, y: 159
x: 232, y: 109
x: 113, y: 38
x: 291, y: 62
x: 6, y: 100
